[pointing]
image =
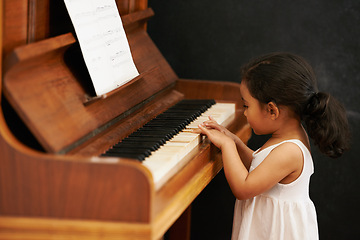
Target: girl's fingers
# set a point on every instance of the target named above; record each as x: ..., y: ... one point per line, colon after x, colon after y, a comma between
x: 203, y: 129
x: 201, y: 126
x: 211, y: 118
x: 196, y: 130
x: 214, y: 125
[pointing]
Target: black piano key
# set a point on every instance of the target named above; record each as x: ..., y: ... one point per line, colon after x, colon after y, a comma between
x: 146, y: 152
x: 135, y: 139
x: 140, y: 157
x: 150, y: 132
x: 136, y: 148
x: 162, y: 122
x: 144, y: 145
x: 149, y: 144
x: 171, y: 129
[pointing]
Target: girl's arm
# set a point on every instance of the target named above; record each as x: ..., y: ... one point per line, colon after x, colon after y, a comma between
x: 244, y: 151
x: 284, y: 161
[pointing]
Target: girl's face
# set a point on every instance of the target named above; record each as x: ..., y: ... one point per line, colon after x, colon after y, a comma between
x: 257, y: 115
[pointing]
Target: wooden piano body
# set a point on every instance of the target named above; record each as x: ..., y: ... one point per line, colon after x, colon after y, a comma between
x: 63, y: 189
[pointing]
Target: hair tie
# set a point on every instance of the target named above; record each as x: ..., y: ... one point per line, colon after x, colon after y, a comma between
x: 317, y: 104
x: 315, y: 94
x: 314, y: 98
x: 312, y: 103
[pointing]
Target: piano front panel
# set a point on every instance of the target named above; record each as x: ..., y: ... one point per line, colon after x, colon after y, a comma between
x: 65, y: 187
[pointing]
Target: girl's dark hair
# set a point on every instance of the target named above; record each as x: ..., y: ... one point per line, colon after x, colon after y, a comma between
x: 288, y: 80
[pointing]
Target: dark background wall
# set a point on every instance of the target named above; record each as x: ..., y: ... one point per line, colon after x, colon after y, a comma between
x: 211, y: 39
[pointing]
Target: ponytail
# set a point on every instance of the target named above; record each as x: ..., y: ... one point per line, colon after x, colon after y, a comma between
x: 327, y: 124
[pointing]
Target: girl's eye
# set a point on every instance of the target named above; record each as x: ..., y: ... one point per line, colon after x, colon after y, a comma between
x: 245, y: 106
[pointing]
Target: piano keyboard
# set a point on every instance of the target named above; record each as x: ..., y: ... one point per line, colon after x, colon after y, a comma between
x: 163, y: 143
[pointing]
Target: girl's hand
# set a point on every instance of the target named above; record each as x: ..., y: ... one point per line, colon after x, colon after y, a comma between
x: 211, y: 123
x: 217, y: 137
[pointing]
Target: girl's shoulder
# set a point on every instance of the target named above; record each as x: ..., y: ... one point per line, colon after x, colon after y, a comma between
x: 284, y: 145
x: 300, y: 141
x: 284, y: 149
x: 291, y: 146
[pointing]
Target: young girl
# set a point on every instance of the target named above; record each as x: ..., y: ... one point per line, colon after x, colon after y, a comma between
x: 272, y: 184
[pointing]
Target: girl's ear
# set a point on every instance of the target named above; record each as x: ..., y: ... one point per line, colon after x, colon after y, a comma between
x: 273, y: 110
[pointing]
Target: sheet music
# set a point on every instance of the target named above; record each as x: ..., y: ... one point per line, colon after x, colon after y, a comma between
x: 103, y: 42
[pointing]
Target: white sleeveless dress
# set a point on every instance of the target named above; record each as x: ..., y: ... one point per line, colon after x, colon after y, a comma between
x: 285, y: 212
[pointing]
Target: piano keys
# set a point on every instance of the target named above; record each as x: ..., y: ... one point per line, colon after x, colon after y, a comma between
x: 163, y: 143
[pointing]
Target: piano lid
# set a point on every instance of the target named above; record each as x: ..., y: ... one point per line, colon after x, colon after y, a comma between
x: 47, y: 84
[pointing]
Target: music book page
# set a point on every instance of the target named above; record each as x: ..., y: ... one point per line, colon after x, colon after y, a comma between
x: 103, y: 43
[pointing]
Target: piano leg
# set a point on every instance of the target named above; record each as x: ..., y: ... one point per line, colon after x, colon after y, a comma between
x: 180, y: 230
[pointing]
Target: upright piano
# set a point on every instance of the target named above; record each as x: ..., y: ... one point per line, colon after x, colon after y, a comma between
x: 56, y: 180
